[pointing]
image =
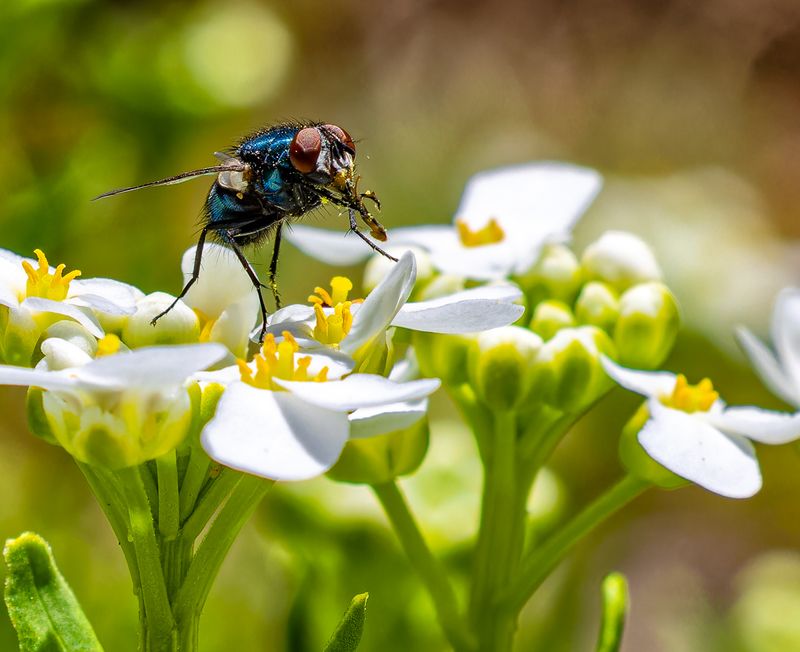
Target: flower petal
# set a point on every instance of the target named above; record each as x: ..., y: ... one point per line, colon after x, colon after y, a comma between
x: 381, y: 305
x: 470, y: 311
x: 62, y: 354
x: 274, y: 434
x: 765, y: 426
x: 222, y: 281
x: 374, y: 421
x: 646, y: 383
x: 24, y: 377
x: 768, y: 368
x: 332, y: 247
x: 80, y: 315
x: 360, y: 391
x: 105, y: 295
x: 155, y: 366
x: 693, y: 449
x: 786, y: 332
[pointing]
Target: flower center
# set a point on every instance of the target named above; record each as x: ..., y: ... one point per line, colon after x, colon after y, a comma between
x: 278, y: 360
x: 691, y: 398
x: 206, y: 325
x: 491, y: 233
x: 332, y: 328
x: 108, y: 345
x: 41, y: 283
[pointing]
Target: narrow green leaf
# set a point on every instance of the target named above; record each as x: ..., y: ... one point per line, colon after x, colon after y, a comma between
x: 615, y: 608
x: 40, y: 603
x: 348, y: 632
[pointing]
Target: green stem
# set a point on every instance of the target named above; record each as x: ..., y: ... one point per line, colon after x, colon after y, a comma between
x: 196, y: 473
x: 160, y: 623
x: 541, y: 562
x: 211, y: 552
x: 218, y: 490
x: 168, y: 501
x: 476, y: 415
x: 429, y: 569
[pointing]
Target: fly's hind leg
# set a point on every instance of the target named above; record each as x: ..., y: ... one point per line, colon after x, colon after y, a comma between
x: 229, y: 240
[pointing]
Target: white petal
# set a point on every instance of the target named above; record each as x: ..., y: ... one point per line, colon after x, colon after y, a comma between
x: 105, y: 295
x: 693, y: 449
x: 222, y: 281
x: 232, y: 328
x: 381, y: 305
x: 760, y: 425
x: 469, y: 311
x: 433, y: 237
x: 646, y: 383
x: 291, y: 314
x: 786, y: 332
x: 155, y: 366
x: 767, y: 367
x: 24, y: 377
x: 62, y: 354
x: 371, y: 422
x: 405, y: 369
x: 360, y: 391
x: 273, y: 434
x: 80, y: 315
x: 332, y: 247
x: 224, y: 376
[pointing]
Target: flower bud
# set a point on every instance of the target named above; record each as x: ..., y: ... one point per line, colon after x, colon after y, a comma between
x: 38, y: 422
x: 547, y: 502
x: 376, y: 460
x: 443, y: 356
x: 378, y: 267
x: 179, y: 326
x: 499, y: 366
x: 568, y: 374
x: 556, y: 275
x: 621, y: 259
x: 636, y: 460
x: 551, y: 316
x: 73, y: 333
x: 647, y: 326
x: 438, y: 286
x: 597, y: 305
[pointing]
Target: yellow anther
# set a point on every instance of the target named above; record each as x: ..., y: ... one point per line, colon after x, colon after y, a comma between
x: 691, y: 398
x: 278, y: 360
x: 41, y: 283
x: 332, y: 328
x: 206, y: 325
x: 108, y: 345
x: 489, y: 234
x: 340, y: 286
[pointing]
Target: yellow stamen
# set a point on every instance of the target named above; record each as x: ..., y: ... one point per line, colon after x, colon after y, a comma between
x: 108, y: 345
x: 41, y: 283
x: 489, y: 234
x: 206, y: 325
x: 333, y: 328
x: 691, y: 398
x: 278, y: 360
x: 341, y: 286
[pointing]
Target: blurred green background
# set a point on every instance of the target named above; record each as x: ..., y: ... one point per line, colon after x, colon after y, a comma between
x: 690, y: 109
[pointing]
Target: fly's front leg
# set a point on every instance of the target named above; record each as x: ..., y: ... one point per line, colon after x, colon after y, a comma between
x: 354, y: 228
x: 273, y: 267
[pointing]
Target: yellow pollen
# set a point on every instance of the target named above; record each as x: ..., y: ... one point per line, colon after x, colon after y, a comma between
x: 41, y: 283
x: 691, y: 398
x: 278, y: 360
x: 108, y: 345
x: 489, y: 234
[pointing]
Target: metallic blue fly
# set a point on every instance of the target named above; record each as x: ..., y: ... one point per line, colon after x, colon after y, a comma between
x: 270, y: 178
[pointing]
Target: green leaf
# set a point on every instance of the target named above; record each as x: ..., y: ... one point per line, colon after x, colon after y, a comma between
x: 40, y: 603
x: 615, y: 608
x: 348, y: 632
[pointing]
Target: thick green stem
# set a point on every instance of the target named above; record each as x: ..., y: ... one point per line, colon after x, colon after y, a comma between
x: 217, y: 492
x: 168, y: 501
x: 193, y: 480
x: 541, y: 562
x: 160, y: 623
x: 429, y: 569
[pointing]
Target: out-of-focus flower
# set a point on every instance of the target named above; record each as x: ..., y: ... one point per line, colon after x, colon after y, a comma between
x: 118, y: 410
x: 34, y: 295
x: 622, y: 259
x: 691, y: 432
x: 288, y: 417
x: 505, y: 218
x: 780, y: 371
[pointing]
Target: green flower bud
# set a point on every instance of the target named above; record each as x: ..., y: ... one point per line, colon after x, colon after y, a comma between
x: 568, y: 374
x: 597, y: 305
x: 376, y: 460
x: 378, y: 267
x: 38, y: 423
x: 636, y: 460
x: 620, y: 259
x: 127, y: 432
x: 647, y: 326
x: 179, y: 326
x: 551, y: 316
x: 556, y: 275
x: 19, y: 336
x: 443, y: 356
x: 499, y: 366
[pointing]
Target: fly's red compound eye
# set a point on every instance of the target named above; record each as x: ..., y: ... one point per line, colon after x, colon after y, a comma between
x: 304, y: 150
x: 341, y: 135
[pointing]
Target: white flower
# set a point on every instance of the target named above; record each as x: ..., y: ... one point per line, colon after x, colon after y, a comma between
x: 780, y: 371
x: 696, y: 436
x: 356, y: 328
x: 118, y: 410
x: 36, y: 295
x: 505, y: 218
x: 286, y: 420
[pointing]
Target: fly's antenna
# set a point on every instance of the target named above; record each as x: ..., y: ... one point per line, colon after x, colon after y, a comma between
x: 230, y: 165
